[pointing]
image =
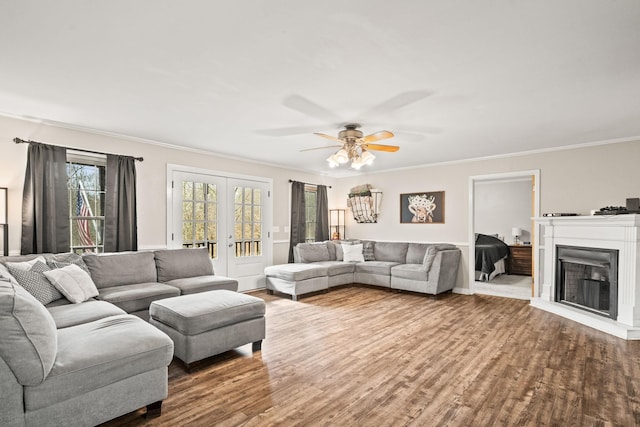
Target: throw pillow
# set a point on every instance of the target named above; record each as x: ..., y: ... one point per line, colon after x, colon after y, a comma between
x: 353, y: 253
x: 63, y: 260
x: 73, y: 282
x: 367, y: 250
x: 339, y: 244
x: 35, y: 282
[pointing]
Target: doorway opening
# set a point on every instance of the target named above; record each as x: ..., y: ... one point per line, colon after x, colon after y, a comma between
x: 503, y: 238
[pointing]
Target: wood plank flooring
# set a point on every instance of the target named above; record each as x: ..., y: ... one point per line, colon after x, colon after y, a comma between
x: 368, y: 357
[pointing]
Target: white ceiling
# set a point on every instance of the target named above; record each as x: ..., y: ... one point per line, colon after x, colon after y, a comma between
x: 232, y: 77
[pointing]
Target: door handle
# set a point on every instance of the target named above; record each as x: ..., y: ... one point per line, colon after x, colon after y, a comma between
x: 230, y: 245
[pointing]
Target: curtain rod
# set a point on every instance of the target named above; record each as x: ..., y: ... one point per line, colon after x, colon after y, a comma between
x: 307, y: 183
x: 22, y: 141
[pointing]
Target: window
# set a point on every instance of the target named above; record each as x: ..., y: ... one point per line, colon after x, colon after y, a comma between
x: 247, y: 221
x: 310, y: 200
x: 200, y: 216
x: 86, y: 179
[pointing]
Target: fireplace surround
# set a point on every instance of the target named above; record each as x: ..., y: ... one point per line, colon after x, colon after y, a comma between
x: 600, y: 256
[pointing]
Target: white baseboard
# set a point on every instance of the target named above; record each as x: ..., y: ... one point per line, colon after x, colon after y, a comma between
x: 463, y: 291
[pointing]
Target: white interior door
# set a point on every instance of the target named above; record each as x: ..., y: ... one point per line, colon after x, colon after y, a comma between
x: 199, y: 215
x: 231, y: 217
x: 249, y: 235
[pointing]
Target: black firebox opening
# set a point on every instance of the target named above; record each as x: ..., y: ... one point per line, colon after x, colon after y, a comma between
x: 587, y: 278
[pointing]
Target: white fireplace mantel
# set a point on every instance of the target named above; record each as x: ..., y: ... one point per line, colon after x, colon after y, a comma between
x: 618, y: 232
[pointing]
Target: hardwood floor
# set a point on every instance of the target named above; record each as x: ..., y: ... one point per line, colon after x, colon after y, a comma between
x: 367, y: 357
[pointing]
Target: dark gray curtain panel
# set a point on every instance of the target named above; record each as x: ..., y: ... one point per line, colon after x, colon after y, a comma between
x: 322, y: 214
x: 120, y: 216
x: 45, y: 201
x: 297, y: 216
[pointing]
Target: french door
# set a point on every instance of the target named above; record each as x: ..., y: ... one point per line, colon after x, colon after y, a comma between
x: 227, y: 215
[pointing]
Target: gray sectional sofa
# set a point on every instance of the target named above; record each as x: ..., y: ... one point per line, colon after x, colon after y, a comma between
x: 417, y: 267
x: 84, y: 363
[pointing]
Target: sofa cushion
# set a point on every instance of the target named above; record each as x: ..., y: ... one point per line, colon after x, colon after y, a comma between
x: 76, y: 314
x: 195, y: 314
x: 295, y: 272
x: 35, y: 282
x: 137, y: 297
x: 27, y: 335
x: 313, y: 252
x: 432, y: 251
x: 192, y: 285
x: 375, y: 267
x: 391, y: 251
x: 331, y: 247
x: 335, y: 268
x: 415, y: 253
x: 410, y: 271
x: 118, y: 269
x: 72, y: 282
x: 98, y: 354
x: 4, y: 274
x: 180, y: 263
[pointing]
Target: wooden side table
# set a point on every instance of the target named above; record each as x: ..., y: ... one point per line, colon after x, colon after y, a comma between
x: 520, y: 260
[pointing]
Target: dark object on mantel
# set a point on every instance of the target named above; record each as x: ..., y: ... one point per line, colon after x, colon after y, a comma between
x: 633, y: 204
x: 615, y: 210
x: 560, y: 214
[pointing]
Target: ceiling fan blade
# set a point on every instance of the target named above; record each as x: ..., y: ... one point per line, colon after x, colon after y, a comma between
x: 309, y: 108
x: 383, y: 134
x: 397, y: 102
x: 333, y: 138
x: 288, y: 131
x: 378, y: 147
x: 322, y: 148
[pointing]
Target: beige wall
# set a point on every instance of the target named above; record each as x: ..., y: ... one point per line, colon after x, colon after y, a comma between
x: 575, y: 180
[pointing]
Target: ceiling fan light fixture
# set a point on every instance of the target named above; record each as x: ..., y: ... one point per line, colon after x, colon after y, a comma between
x: 333, y: 162
x: 357, y: 163
x: 342, y: 156
x: 367, y: 157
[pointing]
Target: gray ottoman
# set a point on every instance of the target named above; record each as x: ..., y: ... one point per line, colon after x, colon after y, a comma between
x: 209, y: 323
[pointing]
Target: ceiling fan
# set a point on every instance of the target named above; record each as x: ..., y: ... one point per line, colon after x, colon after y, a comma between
x: 355, y: 147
